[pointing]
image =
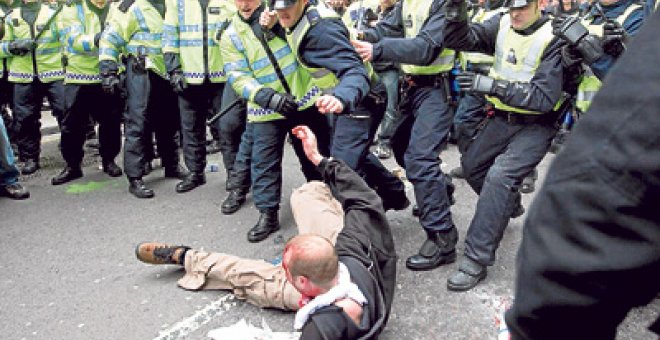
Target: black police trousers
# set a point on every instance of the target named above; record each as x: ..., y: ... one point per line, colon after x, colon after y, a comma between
x: 28, y: 100
x: 196, y: 103
x: 81, y: 101
x: 151, y: 107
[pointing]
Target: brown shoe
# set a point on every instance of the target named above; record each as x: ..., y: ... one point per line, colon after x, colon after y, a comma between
x: 160, y: 253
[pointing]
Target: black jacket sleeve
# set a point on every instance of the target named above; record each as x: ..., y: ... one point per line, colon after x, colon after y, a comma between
x: 463, y: 36
x: 419, y: 50
x: 327, y: 45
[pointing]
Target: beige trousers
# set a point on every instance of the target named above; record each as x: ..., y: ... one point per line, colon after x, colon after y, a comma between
x: 259, y: 282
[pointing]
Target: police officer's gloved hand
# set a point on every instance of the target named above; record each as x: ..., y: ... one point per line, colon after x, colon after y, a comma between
x: 21, y: 47
x: 97, y: 38
x: 178, y: 81
x: 614, y: 38
x: 481, y: 84
x: 570, y: 56
x: 110, y: 82
x: 571, y: 30
x: 456, y: 10
x: 283, y: 103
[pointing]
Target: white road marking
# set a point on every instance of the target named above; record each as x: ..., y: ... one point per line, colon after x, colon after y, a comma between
x: 197, y: 320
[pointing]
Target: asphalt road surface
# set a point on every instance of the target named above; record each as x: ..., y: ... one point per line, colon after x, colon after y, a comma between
x: 69, y: 270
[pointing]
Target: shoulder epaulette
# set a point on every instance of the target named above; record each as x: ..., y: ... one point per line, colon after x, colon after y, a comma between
x: 125, y: 5
x: 313, y: 16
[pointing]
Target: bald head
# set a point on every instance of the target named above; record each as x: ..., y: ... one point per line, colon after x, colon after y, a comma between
x: 311, y: 256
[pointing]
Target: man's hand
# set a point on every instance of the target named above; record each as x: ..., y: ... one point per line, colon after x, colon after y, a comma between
x: 575, y: 34
x: 570, y: 56
x: 308, y: 140
x: 110, y: 82
x: 614, y: 38
x: 478, y: 83
x: 178, y: 81
x: 268, y: 18
x: 364, y: 49
x: 456, y: 10
x: 21, y: 47
x: 283, y: 103
x: 329, y: 104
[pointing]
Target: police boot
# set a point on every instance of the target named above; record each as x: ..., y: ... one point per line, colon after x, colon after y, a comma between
x: 234, y: 201
x: 438, y: 249
x: 14, y: 191
x: 467, y: 276
x: 160, y: 253
x: 68, y: 174
x: 268, y: 223
x: 138, y: 189
x: 192, y: 181
x: 30, y: 166
x: 112, y: 169
x: 416, y: 211
x: 176, y: 171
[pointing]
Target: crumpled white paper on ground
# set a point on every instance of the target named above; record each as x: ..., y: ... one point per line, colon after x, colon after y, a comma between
x: 242, y: 330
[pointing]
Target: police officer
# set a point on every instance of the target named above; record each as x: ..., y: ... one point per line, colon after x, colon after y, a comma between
x: 5, y: 86
x: 194, y: 65
x: 262, y: 68
x: 135, y: 26
x: 35, y: 68
x: 523, y: 90
x: 352, y: 92
x: 81, y: 23
x: 413, y: 35
x: 604, y: 31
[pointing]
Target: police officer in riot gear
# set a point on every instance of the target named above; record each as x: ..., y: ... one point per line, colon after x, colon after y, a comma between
x: 135, y: 26
x: 524, y: 94
x: 194, y: 65
x: 35, y: 69
x: 83, y: 91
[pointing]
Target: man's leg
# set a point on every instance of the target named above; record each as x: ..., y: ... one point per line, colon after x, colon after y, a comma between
x: 390, y: 80
x: 267, y: 151
x: 429, y: 132
x: 107, y: 112
x: 238, y: 181
x: 231, y: 127
x: 193, y: 107
x: 316, y: 211
x: 28, y: 99
x: 525, y: 147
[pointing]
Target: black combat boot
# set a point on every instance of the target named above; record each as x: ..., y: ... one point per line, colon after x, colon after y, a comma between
x: 111, y: 168
x: 30, y: 166
x: 138, y: 189
x: 468, y: 275
x: 438, y: 249
x: 192, y: 181
x: 234, y: 201
x: 68, y: 174
x: 268, y: 223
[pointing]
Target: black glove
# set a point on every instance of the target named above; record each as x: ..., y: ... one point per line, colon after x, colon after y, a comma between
x: 178, y: 81
x: 456, y: 10
x: 574, y: 33
x: 21, y: 47
x: 110, y: 82
x: 97, y: 38
x: 283, y: 103
x: 569, y: 29
x: 614, y: 38
x: 481, y: 84
x: 570, y: 56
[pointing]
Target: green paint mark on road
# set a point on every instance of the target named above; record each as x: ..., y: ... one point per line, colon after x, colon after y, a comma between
x: 87, y: 187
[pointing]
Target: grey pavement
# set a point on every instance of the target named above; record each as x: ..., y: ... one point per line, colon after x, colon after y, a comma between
x: 69, y: 270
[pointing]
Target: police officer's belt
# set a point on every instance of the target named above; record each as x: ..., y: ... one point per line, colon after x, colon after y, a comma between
x: 481, y: 68
x: 424, y: 80
x: 519, y: 118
